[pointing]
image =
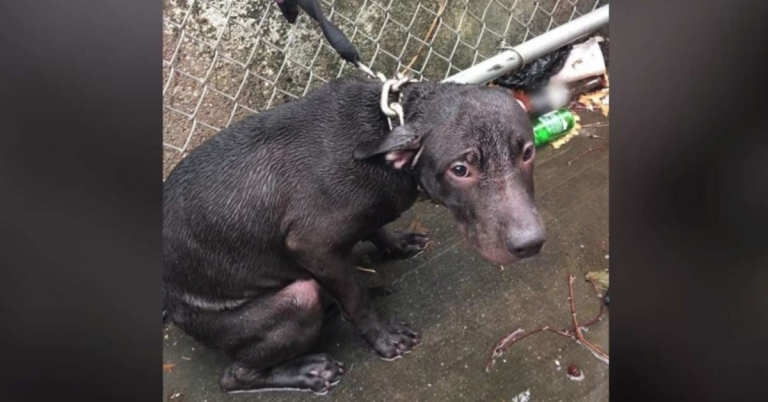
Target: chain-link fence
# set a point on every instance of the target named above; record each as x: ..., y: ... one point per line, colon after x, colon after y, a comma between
x: 226, y: 59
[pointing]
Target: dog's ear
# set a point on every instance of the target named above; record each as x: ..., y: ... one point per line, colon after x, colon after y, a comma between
x: 400, y: 147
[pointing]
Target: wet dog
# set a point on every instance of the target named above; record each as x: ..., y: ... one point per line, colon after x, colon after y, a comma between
x: 261, y: 218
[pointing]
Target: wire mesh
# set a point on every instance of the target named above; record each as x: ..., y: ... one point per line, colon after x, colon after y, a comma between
x: 226, y: 59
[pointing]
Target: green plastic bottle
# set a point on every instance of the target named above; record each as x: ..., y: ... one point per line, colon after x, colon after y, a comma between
x: 551, y: 126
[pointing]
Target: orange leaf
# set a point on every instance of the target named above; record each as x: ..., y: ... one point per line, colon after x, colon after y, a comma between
x: 596, y: 100
x: 169, y: 367
x: 416, y: 226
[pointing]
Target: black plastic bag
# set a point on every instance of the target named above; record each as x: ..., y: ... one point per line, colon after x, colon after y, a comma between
x: 537, y: 73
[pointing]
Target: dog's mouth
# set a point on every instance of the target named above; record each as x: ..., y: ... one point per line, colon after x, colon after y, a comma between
x: 490, y: 247
x: 496, y: 256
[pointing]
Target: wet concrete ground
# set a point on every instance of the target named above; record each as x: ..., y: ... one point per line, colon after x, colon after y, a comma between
x: 462, y: 305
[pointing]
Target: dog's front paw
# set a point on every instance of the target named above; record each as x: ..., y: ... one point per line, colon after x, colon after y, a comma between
x: 408, y: 244
x: 393, y: 340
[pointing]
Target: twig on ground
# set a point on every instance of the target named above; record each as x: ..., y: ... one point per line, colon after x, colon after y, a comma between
x: 591, y: 125
x: 600, y: 124
x: 590, y: 150
x: 574, y: 333
x: 371, y: 271
x: 579, y: 335
x: 599, y: 137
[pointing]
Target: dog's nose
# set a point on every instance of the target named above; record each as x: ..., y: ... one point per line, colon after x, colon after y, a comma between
x: 526, y: 245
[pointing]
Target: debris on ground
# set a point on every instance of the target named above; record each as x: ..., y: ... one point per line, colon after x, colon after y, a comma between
x: 574, y: 131
x: 368, y: 270
x: 601, y: 279
x: 524, y: 396
x: 590, y: 150
x: 584, y: 60
x: 596, y: 101
x: 552, y: 126
x: 549, y: 79
x: 575, y: 333
x: 169, y: 367
x: 557, y: 95
x: 416, y: 226
x: 574, y: 374
x: 573, y: 77
x: 546, y: 100
x: 587, y: 85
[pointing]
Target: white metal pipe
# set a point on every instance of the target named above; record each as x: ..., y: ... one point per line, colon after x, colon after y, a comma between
x: 545, y: 43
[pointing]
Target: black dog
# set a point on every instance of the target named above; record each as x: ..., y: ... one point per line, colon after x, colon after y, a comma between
x: 264, y: 215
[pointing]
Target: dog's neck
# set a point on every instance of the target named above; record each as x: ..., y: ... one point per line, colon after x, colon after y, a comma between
x: 418, y: 93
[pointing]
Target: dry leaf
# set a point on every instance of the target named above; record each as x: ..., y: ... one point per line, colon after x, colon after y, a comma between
x: 594, y: 97
x: 600, y: 278
x: 604, y: 108
x: 169, y: 367
x: 596, y: 100
x: 416, y: 226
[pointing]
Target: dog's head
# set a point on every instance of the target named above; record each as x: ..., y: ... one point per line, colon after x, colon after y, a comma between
x: 473, y: 152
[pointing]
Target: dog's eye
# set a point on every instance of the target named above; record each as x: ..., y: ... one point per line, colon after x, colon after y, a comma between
x: 528, y: 153
x: 460, y: 171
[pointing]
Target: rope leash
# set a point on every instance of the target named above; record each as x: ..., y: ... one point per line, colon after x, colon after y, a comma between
x: 348, y: 52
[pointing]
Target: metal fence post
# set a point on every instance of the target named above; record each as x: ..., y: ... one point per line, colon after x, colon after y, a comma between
x: 547, y: 42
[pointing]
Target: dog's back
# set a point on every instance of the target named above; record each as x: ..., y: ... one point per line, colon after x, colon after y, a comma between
x: 229, y: 205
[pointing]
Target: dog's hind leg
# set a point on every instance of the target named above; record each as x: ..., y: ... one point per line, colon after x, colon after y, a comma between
x: 268, y: 339
x: 316, y: 373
